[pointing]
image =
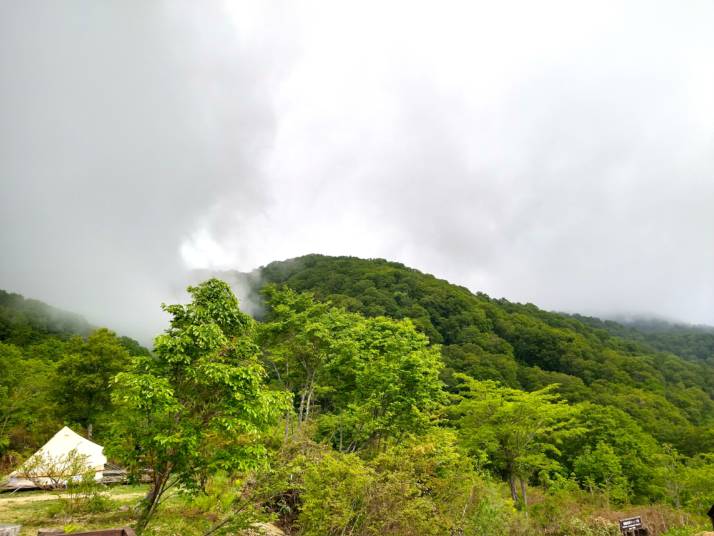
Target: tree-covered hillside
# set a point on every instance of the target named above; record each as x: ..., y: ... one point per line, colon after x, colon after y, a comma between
x: 370, y: 398
x: 691, y: 342
x: 55, y: 368
x: 23, y: 320
x: 522, y: 346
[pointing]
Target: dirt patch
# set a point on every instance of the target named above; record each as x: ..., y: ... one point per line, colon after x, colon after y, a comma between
x: 19, y: 499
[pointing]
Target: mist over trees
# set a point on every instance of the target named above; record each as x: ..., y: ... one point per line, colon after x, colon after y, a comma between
x: 369, y: 398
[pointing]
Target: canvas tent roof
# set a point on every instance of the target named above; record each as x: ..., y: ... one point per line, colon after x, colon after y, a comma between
x: 58, y: 449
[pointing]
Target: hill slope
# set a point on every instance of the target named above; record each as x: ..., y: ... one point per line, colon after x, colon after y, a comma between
x: 24, y: 320
x: 519, y: 345
x: 692, y: 342
x: 55, y: 369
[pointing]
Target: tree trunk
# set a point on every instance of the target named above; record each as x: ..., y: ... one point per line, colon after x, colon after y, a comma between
x: 147, y: 511
x: 305, y: 399
x: 524, y: 496
x: 287, y: 426
x: 309, y: 401
x: 512, y: 485
x: 151, y: 501
x: 301, y: 408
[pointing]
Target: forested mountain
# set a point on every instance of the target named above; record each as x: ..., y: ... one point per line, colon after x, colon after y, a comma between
x: 524, y: 347
x: 24, y: 320
x: 370, y: 398
x: 55, y: 369
x: 691, y: 342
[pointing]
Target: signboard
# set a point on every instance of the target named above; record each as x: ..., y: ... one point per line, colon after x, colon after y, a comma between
x: 630, y: 523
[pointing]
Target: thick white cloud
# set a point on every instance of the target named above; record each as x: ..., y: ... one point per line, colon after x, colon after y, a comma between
x: 556, y: 152
x: 124, y: 124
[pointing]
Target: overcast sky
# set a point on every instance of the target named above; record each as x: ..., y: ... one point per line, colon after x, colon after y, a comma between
x: 557, y: 152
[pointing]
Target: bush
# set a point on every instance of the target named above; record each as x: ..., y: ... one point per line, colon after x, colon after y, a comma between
x: 421, y: 488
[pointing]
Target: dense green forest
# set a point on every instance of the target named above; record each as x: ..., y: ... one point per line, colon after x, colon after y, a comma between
x: 527, y: 348
x: 370, y: 398
x: 691, y: 342
x: 55, y: 368
x: 24, y: 321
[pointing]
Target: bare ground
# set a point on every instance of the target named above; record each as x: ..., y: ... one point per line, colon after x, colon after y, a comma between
x: 20, y: 499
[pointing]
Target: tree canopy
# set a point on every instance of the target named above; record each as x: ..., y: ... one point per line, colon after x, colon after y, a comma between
x: 369, y: 398
x: 199, y: 404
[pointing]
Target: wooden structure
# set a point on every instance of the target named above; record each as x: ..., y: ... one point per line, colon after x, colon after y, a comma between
x: 632, y: 526
x: 113, y: 474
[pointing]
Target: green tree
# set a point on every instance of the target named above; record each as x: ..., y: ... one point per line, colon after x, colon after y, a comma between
x: 600, y: 469
x: 386, y: 386
x: 11, y: 397
x: 27, y: 409
x: 371, y: 378
x: 670, y: 472
x: 200, y: 404
x: 697, y: 477
x: 517, y: 432
x: 636, y: 450
x: 300, y: 338
x: 82, y: 383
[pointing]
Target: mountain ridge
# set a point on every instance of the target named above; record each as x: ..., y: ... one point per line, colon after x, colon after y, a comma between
x: 518, y: 345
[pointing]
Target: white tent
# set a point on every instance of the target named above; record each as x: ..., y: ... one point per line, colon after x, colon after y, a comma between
x: 66, y: 456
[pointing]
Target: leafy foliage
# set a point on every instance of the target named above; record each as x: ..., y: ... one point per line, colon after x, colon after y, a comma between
x: 424, y: 486
x: 691, y: 342
x: 55, y: 369
x: 520, y: 346
x: 515, y: 432
x: 198, y: 405
x: 370, y: 398
x: 24, y: 321
x: 84, y: 374
x: 370, y: 378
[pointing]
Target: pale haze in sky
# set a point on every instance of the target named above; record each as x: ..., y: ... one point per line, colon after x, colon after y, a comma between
x: 555, y: 152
